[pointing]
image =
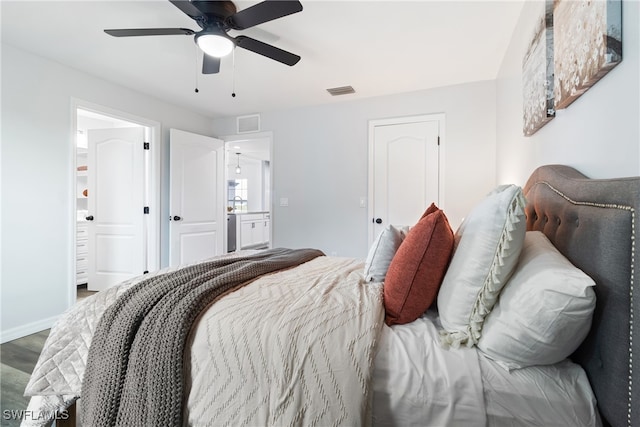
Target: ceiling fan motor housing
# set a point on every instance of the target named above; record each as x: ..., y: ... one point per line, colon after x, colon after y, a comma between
x: 215, y: 13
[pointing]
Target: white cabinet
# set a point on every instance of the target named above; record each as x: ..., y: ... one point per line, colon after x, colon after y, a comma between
x: 82, y: 250
x: 82, y: 229
x: 254, y: 230
x: 247, y: 232
x: 81, y: 180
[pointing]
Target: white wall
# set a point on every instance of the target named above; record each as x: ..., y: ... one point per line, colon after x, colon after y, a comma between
x: 320, y: 161
x: 599, y: 134
x: 37, y: 180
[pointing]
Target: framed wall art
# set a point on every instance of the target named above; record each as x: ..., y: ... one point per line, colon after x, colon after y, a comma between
x: 587, y: 42
x: 537, y: 75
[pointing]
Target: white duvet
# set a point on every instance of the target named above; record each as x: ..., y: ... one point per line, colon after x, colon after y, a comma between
x: 294, y: 347
x: 263, y: 336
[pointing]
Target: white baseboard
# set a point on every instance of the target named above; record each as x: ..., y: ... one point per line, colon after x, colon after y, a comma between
x: 28, y: 329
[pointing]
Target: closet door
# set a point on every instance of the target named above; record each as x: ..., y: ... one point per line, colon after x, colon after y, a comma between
x: 115, y: 206
x: 404, y: 171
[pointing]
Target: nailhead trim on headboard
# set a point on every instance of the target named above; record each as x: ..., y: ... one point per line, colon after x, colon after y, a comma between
x: 631, y: 284
x: 633, y: 248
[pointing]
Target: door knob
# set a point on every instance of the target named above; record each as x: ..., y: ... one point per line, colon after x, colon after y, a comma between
x: 89, y: 218
x: 378, y: 220
x: 177, y: 218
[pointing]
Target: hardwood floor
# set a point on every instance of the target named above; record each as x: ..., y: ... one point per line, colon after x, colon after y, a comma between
x: 83, y: 293
x: 17, y: 360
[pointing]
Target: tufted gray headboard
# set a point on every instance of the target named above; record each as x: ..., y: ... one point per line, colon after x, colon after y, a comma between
x: 593, y: 223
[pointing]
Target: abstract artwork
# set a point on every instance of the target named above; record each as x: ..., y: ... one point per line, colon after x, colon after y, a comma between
x: 587, y: 39
x: 537, y: 75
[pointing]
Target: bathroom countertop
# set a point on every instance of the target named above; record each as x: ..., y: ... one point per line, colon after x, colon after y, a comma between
x: 248, y: 213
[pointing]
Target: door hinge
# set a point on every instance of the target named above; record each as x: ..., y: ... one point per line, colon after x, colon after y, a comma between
x: 146, y: 210
x: 145, y: 145
x: 438, y: 140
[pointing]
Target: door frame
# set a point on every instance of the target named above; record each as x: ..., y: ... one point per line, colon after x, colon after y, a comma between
x: 437, y: 117
x: 152, y: 179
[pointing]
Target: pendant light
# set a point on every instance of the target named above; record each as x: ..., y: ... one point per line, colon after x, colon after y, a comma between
x: 238, y: 170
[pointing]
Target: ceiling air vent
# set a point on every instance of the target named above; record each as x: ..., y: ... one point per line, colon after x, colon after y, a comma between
x: 343, y: 90
x: 246, y: 124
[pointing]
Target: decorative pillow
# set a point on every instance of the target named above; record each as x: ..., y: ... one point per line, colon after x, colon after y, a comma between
x: 544, y: 311
x: 488, y: 243
x: 384, y: 248
x: 382, y: 251
x: 416, y: 271
x: 431, y: 209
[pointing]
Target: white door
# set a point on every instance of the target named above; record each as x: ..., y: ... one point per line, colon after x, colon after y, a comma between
x: 115, y: 203
x: 404, y: 170
x: 197, y: 216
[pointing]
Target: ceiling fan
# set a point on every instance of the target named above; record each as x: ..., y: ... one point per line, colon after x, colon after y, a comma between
x: 216, y: 18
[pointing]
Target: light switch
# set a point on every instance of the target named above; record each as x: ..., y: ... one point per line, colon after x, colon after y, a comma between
x: 363, y: 202
x: 284, y: 201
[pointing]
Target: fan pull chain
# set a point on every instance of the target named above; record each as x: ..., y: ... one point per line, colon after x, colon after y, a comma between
x: 196, y: 69
x: 233, y: 81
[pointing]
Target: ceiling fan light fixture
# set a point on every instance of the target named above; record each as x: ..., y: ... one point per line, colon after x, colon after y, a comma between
x: 214, y: 45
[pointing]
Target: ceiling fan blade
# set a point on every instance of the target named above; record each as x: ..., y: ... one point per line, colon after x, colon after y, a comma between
x: 189, y: 9
x: 266, y: 11
x: 267, y: 50
x: 210, y: 64
x: 149, y: 32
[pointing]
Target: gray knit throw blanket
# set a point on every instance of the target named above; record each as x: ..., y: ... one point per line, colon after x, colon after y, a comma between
x: 135, y: 368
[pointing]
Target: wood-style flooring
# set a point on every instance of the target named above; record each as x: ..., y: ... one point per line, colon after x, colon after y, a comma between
x: 17, y: 360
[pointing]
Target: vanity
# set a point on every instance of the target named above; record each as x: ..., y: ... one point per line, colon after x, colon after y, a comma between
x: 248, y: 230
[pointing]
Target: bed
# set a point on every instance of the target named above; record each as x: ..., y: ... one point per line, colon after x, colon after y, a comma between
x: 309, y: 343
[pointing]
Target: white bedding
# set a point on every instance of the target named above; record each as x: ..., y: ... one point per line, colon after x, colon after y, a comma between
x: 415, y: 381
x: 419, y: 383
x: 554, y: 395
x: 295, y: 347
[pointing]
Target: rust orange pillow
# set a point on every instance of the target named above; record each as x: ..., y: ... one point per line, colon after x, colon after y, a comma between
x: 417, y: 269
x: 431, y: 209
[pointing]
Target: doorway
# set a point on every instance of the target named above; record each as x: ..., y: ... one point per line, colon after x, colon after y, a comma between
x: 248, y: 190
x: 405, y: 172
x: 100, y: 160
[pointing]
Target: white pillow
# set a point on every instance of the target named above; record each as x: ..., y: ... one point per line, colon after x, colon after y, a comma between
x: 382, y: 252
x: 544, y: 311
x: 488, y: 243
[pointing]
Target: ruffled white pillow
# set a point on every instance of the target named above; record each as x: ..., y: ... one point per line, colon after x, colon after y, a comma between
x: 488, y: 244
x: 544, y: 311
x: 382, y: 252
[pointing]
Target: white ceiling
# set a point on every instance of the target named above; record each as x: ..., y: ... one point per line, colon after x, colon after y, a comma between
x: 378, y: 47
